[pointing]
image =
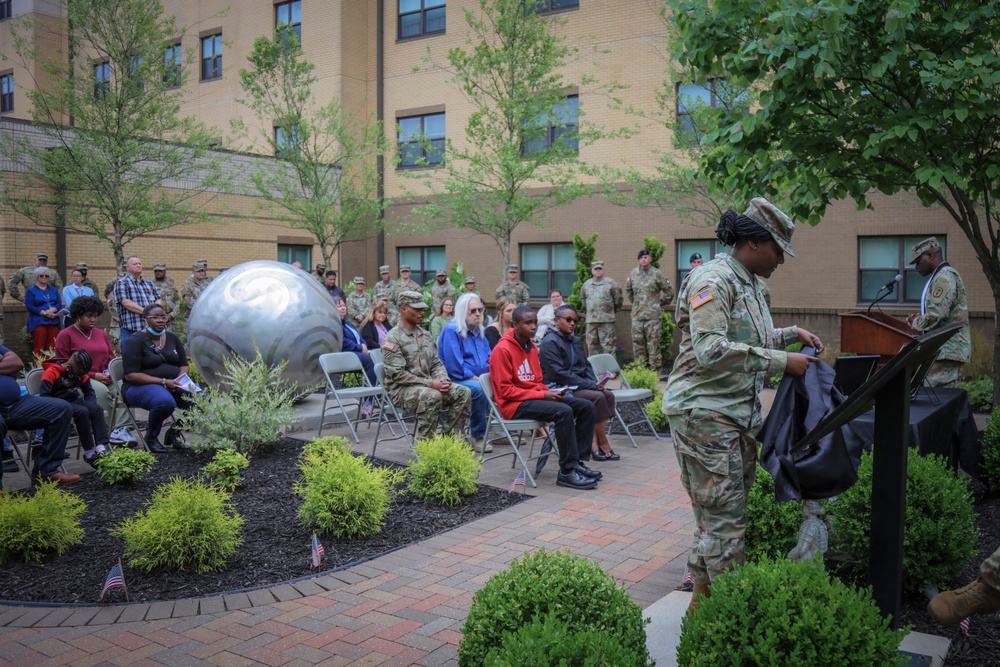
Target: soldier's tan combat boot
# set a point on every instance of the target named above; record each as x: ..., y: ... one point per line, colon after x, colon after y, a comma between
x: 699, y: 591
x: 951, y: 607
x: 478, y: 446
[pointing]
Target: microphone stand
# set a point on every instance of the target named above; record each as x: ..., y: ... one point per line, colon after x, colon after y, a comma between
x: 888, y: 289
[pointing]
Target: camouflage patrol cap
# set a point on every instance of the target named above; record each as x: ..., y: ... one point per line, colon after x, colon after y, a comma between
x: 929, y: 243
x: 160, y: 267
x: 41, y: 255
x: 767, y: 215
x: 512, y: 268
x: 441, y: 272
x: 470, y: 280
x: 404, y: 267
x: 597, y: 264
x: 81, y: 265
x: 197, y: 266
x: 203, y: 262
x: 412, y: 299
x: 358, y: 280
x: 384, y: 268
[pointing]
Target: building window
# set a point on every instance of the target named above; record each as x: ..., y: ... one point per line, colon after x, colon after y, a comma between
x: 6, y: 9
x: 424, y: 261
x: 286, y: 142
x: 211, y: 57
x: 6, y: 93
x: 559, y: 128
x: 295, y: 253
x: 289, y: 13
x: 102, y: 80
x: 543, y: 6
x: 172, y: 65
x: 421, y: 140
x: 707, y: 248
x: 881, y: 258
x: 548, y: 266
x: 420, y: 17
x: 135, y: 73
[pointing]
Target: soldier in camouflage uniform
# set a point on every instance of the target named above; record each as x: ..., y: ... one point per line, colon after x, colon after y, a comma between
x: 358, y: 302
x: 415, y: 377
x: 650, y: 293
x: 195, y: 285
x: 728, y: 346
x: 514, y: 289
x: 169, y: 295
x: 404, y: 284
x: 25, y: 278
x: 442, y: 289
x: 601, y: 298
x: 87, y: 282
x: 944, y: 302
x: 114, y: 331
x: 383, y: 292
x: 320, y: 273
x: 3, y: 291
x: 470, y: 283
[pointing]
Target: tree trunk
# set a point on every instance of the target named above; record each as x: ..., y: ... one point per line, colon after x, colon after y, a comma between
x: 996, y: 343
x: 119, y: 249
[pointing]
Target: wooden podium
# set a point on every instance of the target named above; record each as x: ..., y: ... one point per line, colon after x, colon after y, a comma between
x: 874, y: 333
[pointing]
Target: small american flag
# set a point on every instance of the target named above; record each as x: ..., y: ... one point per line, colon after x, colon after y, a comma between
x: 115, y: 578
x: 518, y: 481
x: 964, y: 625
x: 317, y: 551
x: 688, y: 579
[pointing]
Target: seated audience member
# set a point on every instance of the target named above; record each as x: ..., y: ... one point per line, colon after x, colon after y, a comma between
x: 564, y: 363
x: 152, y: 360
x: 376, y: 325
x: 44, y: 311
x: 330, y: 283
x: 503, y: 322
x: 353, y: 342
x: 72, y: 291
x: 546, y: 314
x: 34, y: 412
x: 415, y: 378
x: 68, y: 380
x: 444, y: 314
x: 516, y: 376
x: 83, y: 334
x: 465, y: 352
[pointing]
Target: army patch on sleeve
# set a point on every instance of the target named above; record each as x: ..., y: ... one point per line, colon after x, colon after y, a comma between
x: 938, y: 292
x: 388, y: 345
x: 700, y: 299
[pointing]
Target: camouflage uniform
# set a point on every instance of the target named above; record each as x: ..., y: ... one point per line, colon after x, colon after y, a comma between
x: 358, y: 306
x: 383, y: 292
x: 3, y: 291
x: 990, y: 570
x: 601, y: 299
x: 89, y: 282
x: 650, y: 293
x: 728, y: 347
x: 398, y: 288
x: 441, y: 292
x: 518, y: 292
x: 170, y: 298
x: 192, y: 289
x: 411, y: 365
x: 25, y: 277
x: 114, y: 331
x: 945, y: 303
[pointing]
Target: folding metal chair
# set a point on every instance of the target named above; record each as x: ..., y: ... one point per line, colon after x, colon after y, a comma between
x: 338, y: 363
x: 606, y: 362
x: 117, y: 371
x: 376, y: 355
x: 509, y: 426
x: 33, y: 384
x: 387, y: 410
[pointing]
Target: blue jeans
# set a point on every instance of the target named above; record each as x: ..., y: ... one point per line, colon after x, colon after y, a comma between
x: 123, y: 335
x: 52, y: 414
x: 160, y: 402
x: 479, y: 410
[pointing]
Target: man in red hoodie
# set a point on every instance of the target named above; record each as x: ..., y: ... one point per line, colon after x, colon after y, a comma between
x: 516, y: 376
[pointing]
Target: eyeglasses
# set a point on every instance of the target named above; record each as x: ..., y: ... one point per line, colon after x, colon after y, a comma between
x: 570, y: 319
x: 474, y: 311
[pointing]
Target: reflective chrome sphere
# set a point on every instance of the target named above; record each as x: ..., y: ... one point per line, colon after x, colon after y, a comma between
x: 282, y: 311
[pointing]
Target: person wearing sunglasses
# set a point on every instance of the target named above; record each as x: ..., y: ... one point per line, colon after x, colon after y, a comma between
x: 465, y: 353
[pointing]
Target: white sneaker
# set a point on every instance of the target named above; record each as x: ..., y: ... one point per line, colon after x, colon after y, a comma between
x: 122, y: 435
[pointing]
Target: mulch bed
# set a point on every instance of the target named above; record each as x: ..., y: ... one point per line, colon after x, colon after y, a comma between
x: 275, y: 546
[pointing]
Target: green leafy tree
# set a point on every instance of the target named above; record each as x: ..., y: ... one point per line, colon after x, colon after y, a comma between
x: 584, y: 251
x: 106, y: 152
x: 325, y: 181
x: 857, y: 97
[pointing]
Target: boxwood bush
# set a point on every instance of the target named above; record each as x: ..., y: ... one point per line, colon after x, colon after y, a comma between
x: 446, y: 469
x: 772, y: 527
x: 654, y: 410
x: 32, y: 526
x: 642, y: 377
x: 786, y: 614
x: 574, y: 590
x: 124, y: 466
x: 548, y: 641
x: 991, y: 450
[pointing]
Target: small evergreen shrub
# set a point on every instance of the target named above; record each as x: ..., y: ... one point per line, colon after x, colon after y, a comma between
x: 187, y: 525
x: 343, y: 495
x: 124, y: 465
x: 775, y: 379
x: 980, y: 392
x: 667, y: 329
x: 548, y: 641
x: 772, y: 527
x: 31, y: 527
x: 574, y: 590
x: 445, y: 470
x: 654, y: 410
x: 642, y: 377
x: 940, y: 534
x: 225, y: 469
x: 786, y: 614
x: 249, y: 410
x: 991, y: 450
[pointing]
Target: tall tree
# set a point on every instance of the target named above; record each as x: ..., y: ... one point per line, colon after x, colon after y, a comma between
x: 858, y: 96
x: 518, y: 157
x: 110, y: 150
x: 325, y: 180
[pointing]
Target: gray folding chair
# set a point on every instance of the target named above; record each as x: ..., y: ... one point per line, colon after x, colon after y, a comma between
x: 388, y: 411
x: 606, y: 362
x: 117, y: 371
x: 338, y: 363
x: 33, y: 384
x: 376, y: 355
x: 508, y: 427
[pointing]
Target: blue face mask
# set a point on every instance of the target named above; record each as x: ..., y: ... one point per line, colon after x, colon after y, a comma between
x: 154, y: 332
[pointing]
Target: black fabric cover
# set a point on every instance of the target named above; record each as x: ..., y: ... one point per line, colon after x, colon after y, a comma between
x: 827, y: 468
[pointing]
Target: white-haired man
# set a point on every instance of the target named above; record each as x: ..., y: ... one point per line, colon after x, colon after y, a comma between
x: 465, y: 352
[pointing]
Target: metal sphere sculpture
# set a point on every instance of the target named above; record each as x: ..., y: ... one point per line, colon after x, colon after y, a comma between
x: 262, y: 305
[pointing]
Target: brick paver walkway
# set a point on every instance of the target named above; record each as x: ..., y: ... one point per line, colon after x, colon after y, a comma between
x: 403, y: 608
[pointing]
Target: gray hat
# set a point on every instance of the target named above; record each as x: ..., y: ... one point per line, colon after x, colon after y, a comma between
x: 411, y: 299
x: 597, y: 264
x: 160, y: 267
x: 512, y: 267
x: 81, y: 265
x: 441, y: 272
x: 358, y: 280
x: 42, y: 255
x: 384, y: 268
x: 927, y: 244
x: 470, y: 280
x: 404, y: 267
x: 766, y: 214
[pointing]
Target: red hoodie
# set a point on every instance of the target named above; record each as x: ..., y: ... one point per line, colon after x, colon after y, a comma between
x: 516, y: 374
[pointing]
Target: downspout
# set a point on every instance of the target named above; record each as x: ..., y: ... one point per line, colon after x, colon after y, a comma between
x: 380, y: 115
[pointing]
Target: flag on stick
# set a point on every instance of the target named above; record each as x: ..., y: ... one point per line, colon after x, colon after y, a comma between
x: 518, y: 482
x: 317, y: 551
x: 115, y: 578
x: 964, y: 625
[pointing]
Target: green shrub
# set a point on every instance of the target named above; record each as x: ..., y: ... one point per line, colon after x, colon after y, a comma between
x: 667, y: 328
x: 225, y: 468
x: 187, y: 525
x: 548, y: 641
x: 991, y: 450
x: 31, y: 527
x: 343, y: 495
x: 935, y: 550
x: 772, y: 527
x: 654, y: 410
x: 250, y: 409
x: 980, y: 392
x: 775, y: 379
x: 573, y: 589
x: 642, y: 377
x: 446, y: 469
x: 124, y: 465
x: 786, y: 613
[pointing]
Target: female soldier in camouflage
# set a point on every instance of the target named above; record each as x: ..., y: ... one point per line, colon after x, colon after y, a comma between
x: 728, y: 347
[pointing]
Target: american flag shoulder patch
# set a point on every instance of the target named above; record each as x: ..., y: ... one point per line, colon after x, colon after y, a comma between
x: 389, y: 345
x: 700, y: 299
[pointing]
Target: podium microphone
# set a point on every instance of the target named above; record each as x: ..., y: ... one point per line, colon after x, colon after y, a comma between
x: 888, y: 288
